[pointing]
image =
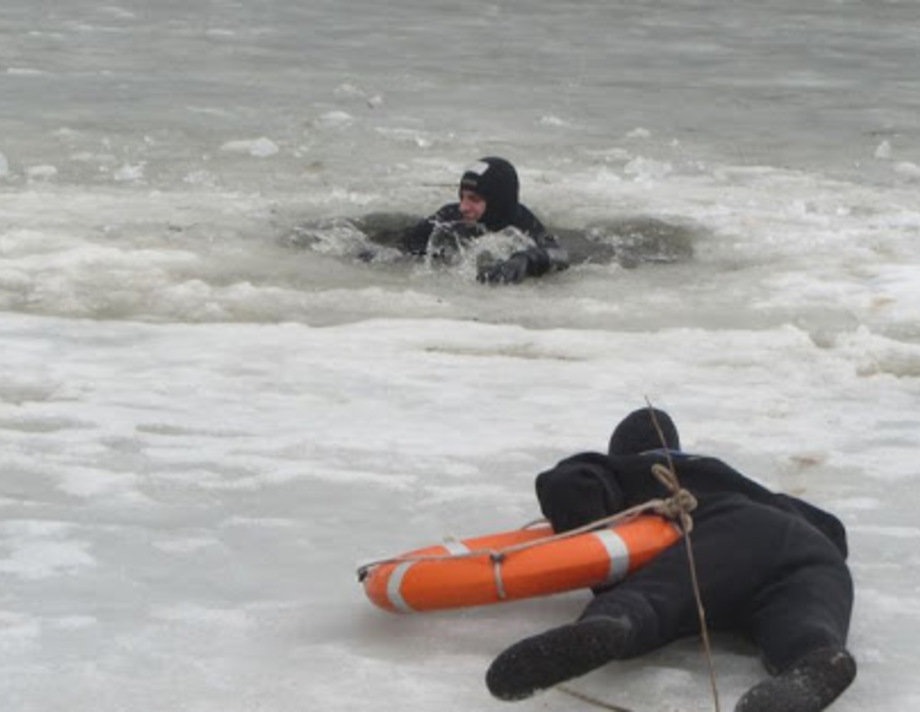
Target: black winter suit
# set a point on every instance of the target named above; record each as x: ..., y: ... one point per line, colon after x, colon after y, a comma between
x: 769, y: 565
x: 496, y: 180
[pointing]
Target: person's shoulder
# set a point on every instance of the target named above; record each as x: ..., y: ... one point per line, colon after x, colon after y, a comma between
x: 666, y: 455
x: 697, y: 458
x: 586, y: 458
x: 523, y: 209
x: 715, y: 471
x: 527, y: 218
x: 530, y: 224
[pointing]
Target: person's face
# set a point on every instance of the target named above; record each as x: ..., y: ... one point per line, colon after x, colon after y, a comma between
x: 472, y: 206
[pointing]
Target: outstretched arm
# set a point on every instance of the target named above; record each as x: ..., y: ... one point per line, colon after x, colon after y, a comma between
x: 578, y: 491
x: 545, y: 255
x: 415, y: 241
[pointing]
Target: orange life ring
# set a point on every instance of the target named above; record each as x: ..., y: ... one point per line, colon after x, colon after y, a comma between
x: 455, y: 575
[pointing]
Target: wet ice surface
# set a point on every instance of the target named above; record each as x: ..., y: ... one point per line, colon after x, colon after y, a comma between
x: 184, y: 505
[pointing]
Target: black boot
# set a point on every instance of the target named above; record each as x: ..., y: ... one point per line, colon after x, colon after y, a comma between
x: 809, y: 685
x: 555, y: 656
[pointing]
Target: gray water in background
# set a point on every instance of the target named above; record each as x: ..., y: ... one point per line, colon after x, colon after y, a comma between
x: 157, y: 156
x: 812, y: 85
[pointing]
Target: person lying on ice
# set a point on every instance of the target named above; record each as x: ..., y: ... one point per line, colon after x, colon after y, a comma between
x: 489, y: 202
x: 770, y: 566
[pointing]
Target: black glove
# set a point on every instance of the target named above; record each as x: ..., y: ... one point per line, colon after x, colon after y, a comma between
x: 510, y: 271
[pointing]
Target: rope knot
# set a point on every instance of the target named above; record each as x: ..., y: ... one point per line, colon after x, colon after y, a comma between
x: 681, y: 502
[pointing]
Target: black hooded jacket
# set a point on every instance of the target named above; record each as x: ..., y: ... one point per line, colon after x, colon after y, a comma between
x: 766, y: 565
x: 598, y: 485
x: 496, y: 180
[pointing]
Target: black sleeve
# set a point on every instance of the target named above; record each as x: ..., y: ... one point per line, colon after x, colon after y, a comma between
x: 415, y: 241
x: 578, y: 491
x: 547, y: 254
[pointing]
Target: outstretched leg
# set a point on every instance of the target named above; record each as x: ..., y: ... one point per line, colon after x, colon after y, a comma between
x: 557, y: 655
x: 620, y: 623
x: 800, y: 624
x: 810, y: 685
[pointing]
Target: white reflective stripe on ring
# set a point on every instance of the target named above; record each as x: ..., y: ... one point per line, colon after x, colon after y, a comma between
x: 394, y: 584
x: 617, y: 551
x: 455, y: 546
x: 394, y: 587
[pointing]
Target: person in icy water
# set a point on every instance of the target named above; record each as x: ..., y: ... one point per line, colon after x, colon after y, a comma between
x: 488, y: 194
x: 770, y: 566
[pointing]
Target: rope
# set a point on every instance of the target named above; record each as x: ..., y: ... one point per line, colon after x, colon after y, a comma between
x: 668, y: 477
x: 662, y: 507
x: 591, y: 700
x: 677, y: 507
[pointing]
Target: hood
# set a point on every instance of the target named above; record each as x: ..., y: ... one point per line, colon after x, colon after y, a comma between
x: 637, y: 433
x: 496, y: 180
